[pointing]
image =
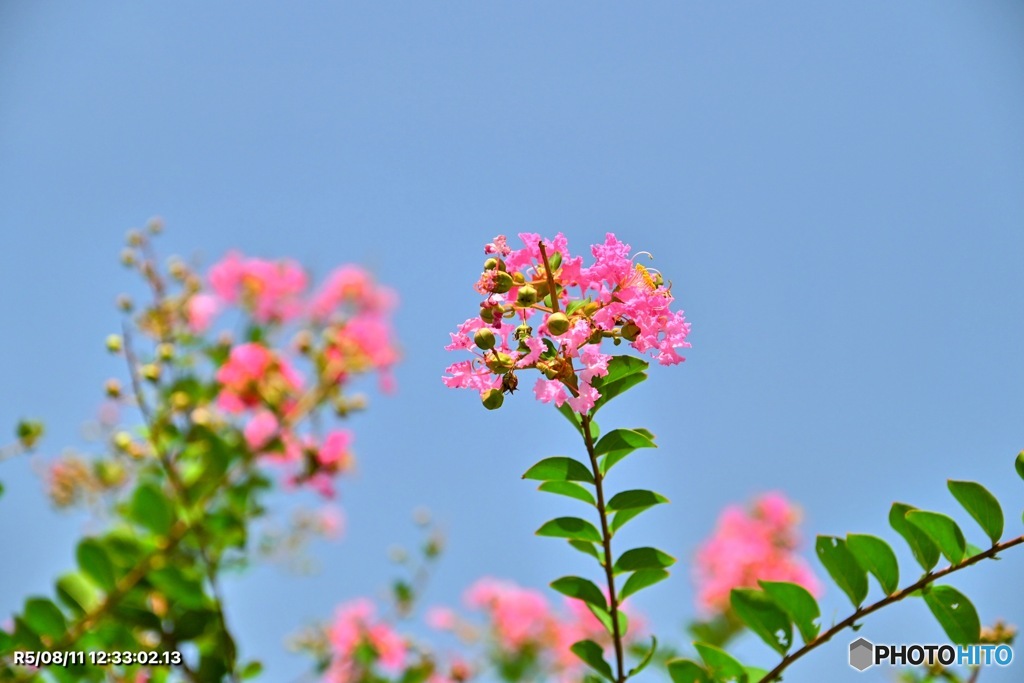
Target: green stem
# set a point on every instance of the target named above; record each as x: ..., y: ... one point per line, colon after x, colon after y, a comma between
x: 606, y: 541
x: 862, y: 612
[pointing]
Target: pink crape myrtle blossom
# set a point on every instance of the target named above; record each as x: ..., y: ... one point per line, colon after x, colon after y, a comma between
x: 356, y: 625
x: 271, y: 291
x: 522, y: 326
x: 521, y: 623
x: 255, y: 376
x: 751, y: 545
x: 202, y: 308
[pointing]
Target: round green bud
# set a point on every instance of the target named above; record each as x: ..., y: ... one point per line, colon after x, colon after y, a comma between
x: 527, y: 296
x: 484, y: 338
x: 518, y: 278
x: 492, y: 399
x: 491, y: 263
x: 122, y: 440
x: 150, y: 371
x: 114, y: 343
x: 630, y: 331
x: 499, y: 362
x: 558, y: 324
x: 165, y: 351
x: 487, y: 314
x: 502, y: 283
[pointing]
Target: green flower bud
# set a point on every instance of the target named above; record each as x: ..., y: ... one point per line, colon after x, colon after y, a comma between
x: 524, y: 331
x: 630, y: 331
x: 122, y: 440
x: 165, y: 351
x: 518, y: 278
x: 499, y: 362
x: 113, y: 388
x: 114, y: 343
x: 555, y: 260
x: 527, y: 296
x: 484, y: 338
x: 502, y: 283
x: 492, y: 399
x: 490, y: 264
x: 487, y: 314
x: 150, y: 371
x: 28, y: 433
x: 558, y: 324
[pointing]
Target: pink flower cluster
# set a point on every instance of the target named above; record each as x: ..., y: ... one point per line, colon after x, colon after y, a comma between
x: 521, y: 325
x: 521, y: 622
x: 350, y: 316
x: 751, y: 545
x: 356, y: 626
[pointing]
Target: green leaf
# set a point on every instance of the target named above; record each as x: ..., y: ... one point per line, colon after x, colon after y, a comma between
x: 572, y: 416
x: 610, y: 390
x: 593, y: 656
x: 635, y: 498
x: 643, y: 558
x: 797, y: 602
x: 955, y: 614
x: 151, y: 509
x: 843, y: 568
x: 645, y: 660
x: 568, y: 488
x: 925, y: 552
x: 641, y: 579
x: 44, y: 617
x: 581, y: 589
x: 94, y: 561
x: 620, y: 518
x: 754, y: 673
x: 182, y: 589
x: 981, y: 505
x: 623, y: 439
x: 874, y: 555
x: 1019, y: 464
x: 618, y: 443
x: 720, y: 663
x: 942, y: 530
x: 606, y: 619
x: 686, y: 671
x: 621, y: 366
x: 252, y: 670
x: 588, y: 548
x: 629, y: 504
x: 560, y: 469
x: 77, y: 593
x: 570, y: 527
x: 766, y: 619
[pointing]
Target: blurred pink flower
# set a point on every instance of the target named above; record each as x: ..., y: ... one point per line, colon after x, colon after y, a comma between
x: 747, y: 546
x: 202, y: 308
x: 355, y: 624
x: 252, y: 376
x: 271, y: 291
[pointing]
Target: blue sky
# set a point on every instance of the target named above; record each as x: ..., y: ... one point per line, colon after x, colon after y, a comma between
x: 836, y: 191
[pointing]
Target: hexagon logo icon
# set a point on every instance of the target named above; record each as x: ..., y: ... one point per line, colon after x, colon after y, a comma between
x: 862, y: 654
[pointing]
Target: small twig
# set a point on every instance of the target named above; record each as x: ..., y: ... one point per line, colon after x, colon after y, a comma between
x: 551, y: 277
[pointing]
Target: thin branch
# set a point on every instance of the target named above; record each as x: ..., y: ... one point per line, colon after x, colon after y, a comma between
x: 606, y: 541
x: 862, y: 612
x: 553, y: 290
